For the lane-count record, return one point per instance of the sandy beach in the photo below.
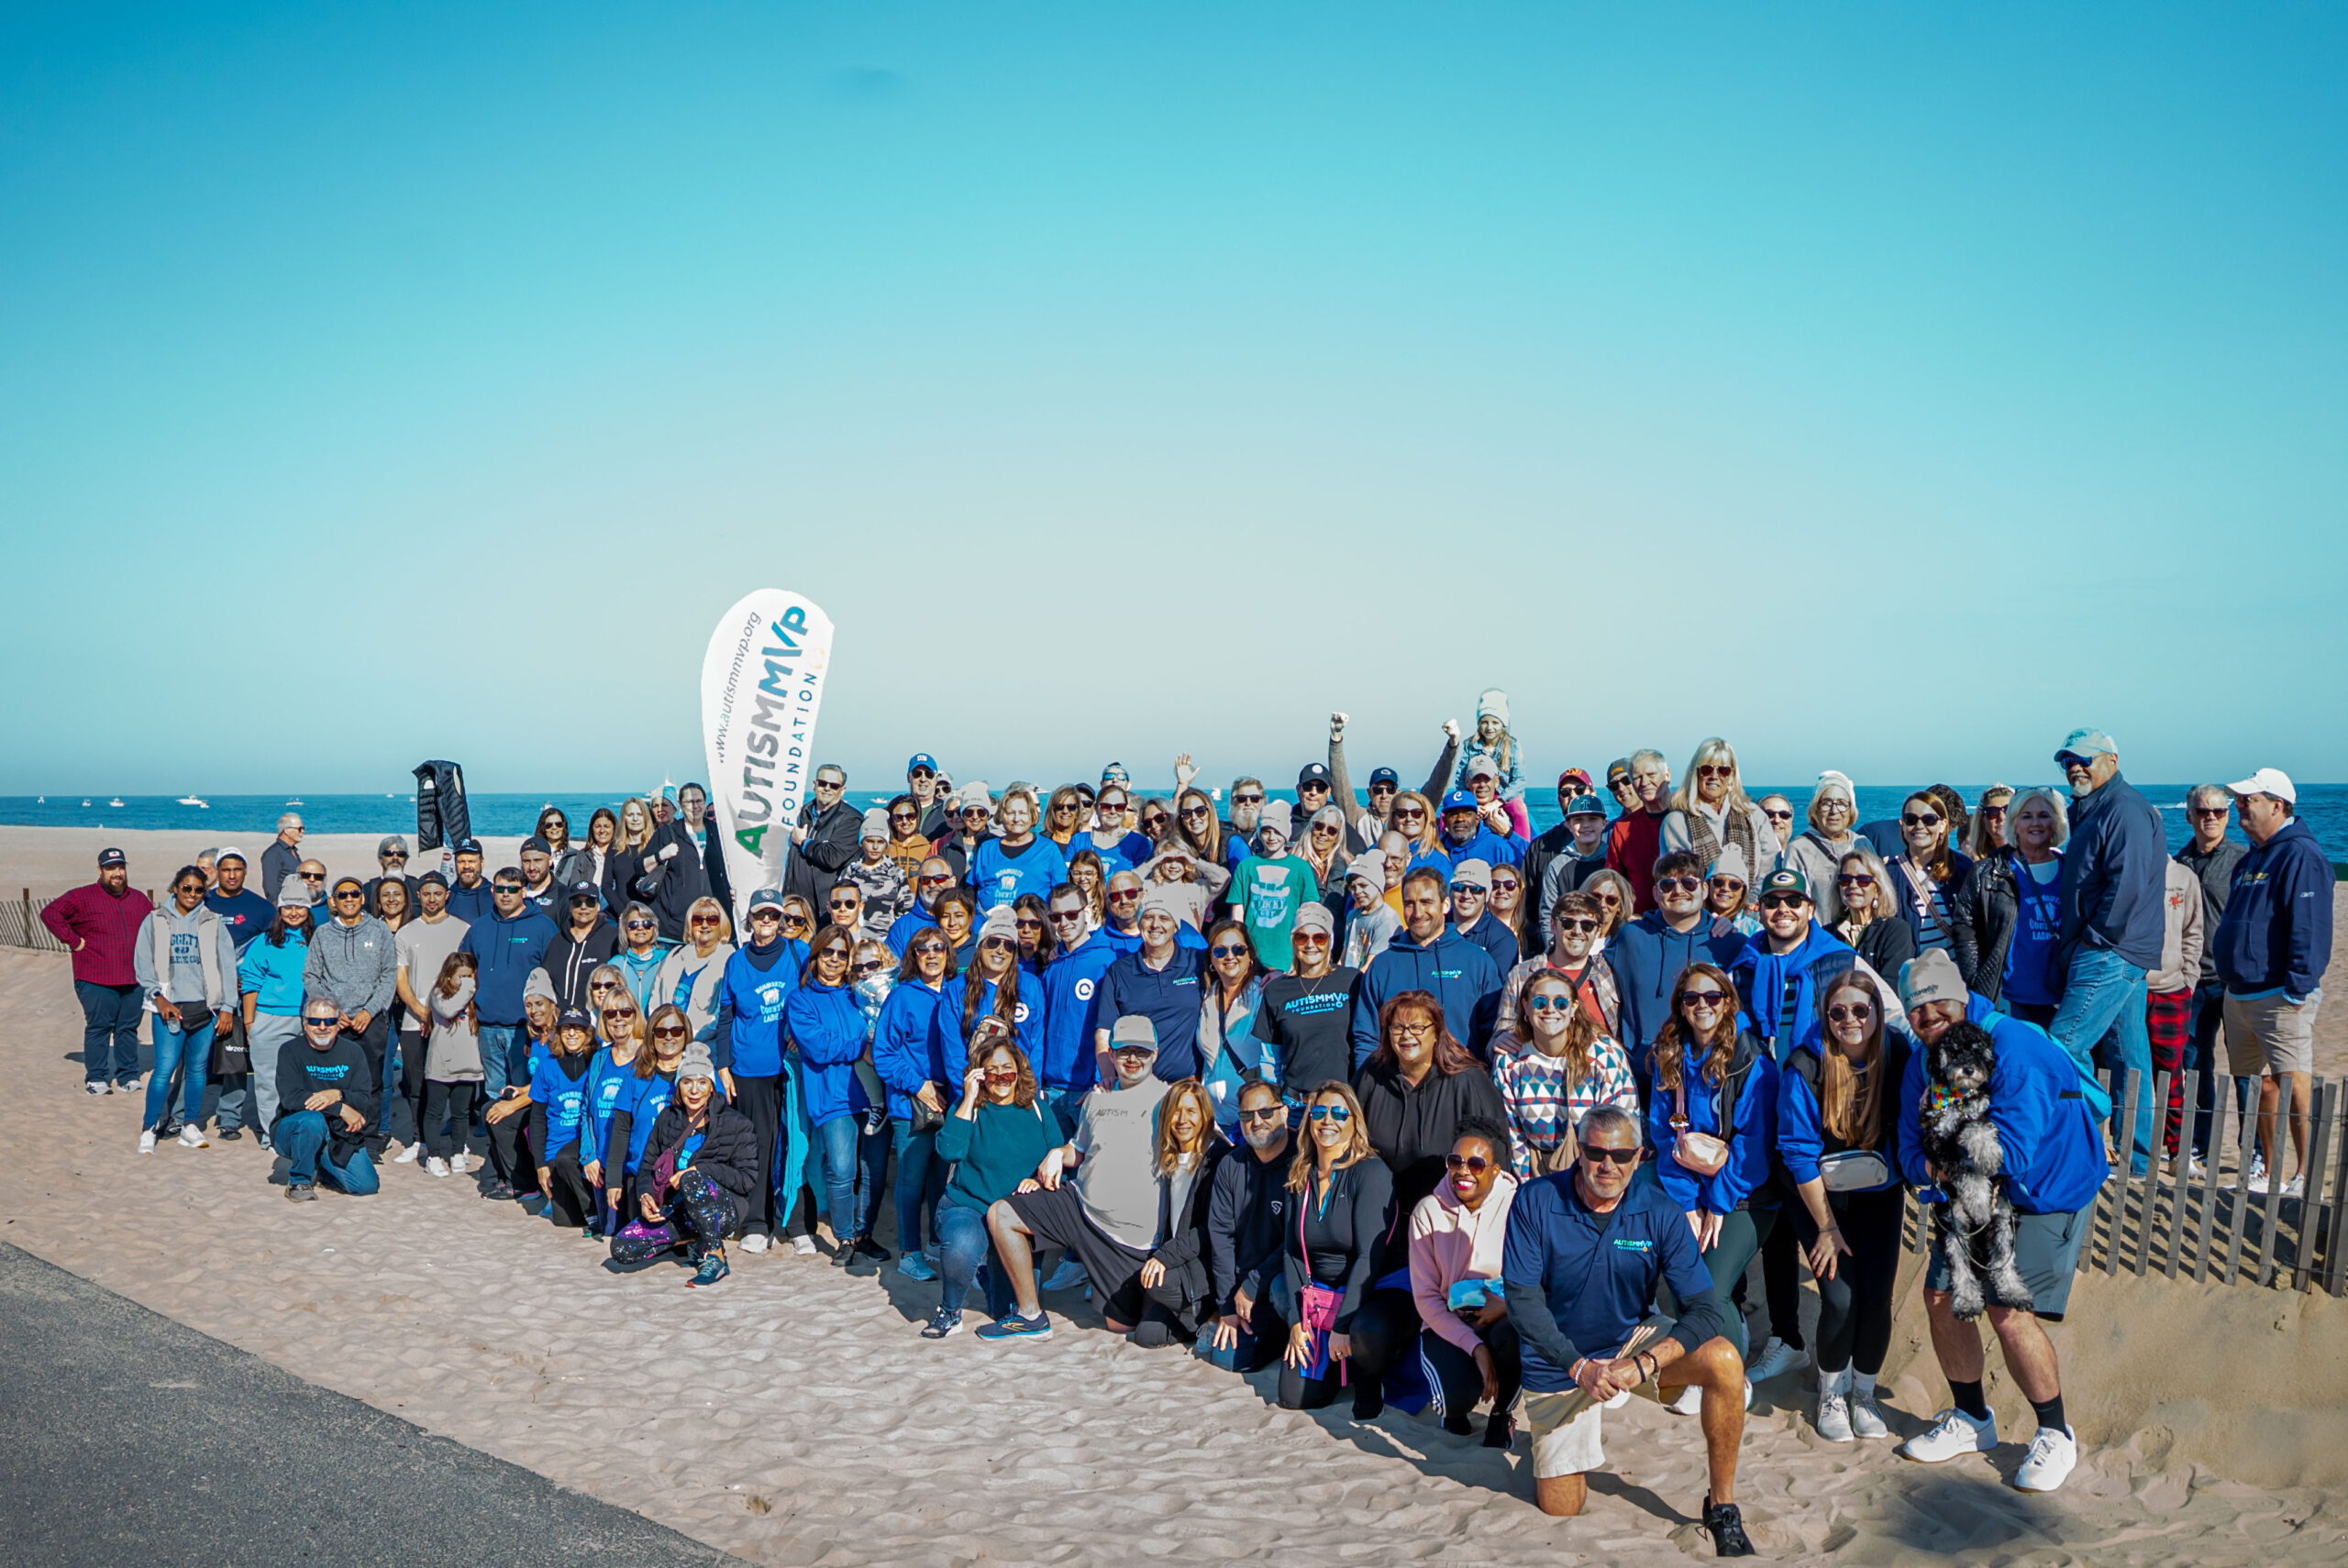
(794, 1416)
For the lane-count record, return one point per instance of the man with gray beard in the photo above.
(1247, 1216)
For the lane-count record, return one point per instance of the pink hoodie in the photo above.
(1450, 1242)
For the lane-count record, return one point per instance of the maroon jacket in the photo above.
(105, 926)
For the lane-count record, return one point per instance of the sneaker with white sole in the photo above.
(803, 1246)
(147, 1142)
(96, 1089)
(755, 1241)
(946, 1321)
(2297, 1188)
(408, 1155)
(2254, 1178)
(436, 1166)
(192, 1139)
(461, 1163)
(1067, 1277)
(912, 1265)
(2053, 1454)
(1866, 1421)
(1690, 1401)
(1776, 1360)
(1834, 1417)
(1953, 1435)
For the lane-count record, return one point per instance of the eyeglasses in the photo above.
(923, 773)
(189, 888)
(1505, 884)
(1920, 819)
(1610, 1156)
(1992, 812)
(1549, 1004)
(1153, 818)
(1227, 950)
(902, 817)
(1612, 901)
(843, 906)
(1114, 806)
(1678, 884)
(930, 950)
(1414, 1031)
(1298, 939)
(611, 1012)
(1329, 1113)
(1265, 1113)
(831, 783)
(1709, 999)
(1855, 879)
(1856, 1012)
(1408, 812)
(1575, 922)
(399, 855)
(1067, 806)
(595, 986)
(669, 1031)
(1003, 1075)
(1783, 901)
(1382, 789)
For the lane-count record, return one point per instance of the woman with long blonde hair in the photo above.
(1344, 1242)
(1710, 810)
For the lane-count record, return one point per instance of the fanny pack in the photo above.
(1699, 1152)
(1854, 1170)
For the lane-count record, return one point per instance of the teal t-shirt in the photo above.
(1270, 893)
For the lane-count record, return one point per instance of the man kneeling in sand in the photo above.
(1586, 1250)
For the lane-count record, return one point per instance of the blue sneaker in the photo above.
(1012, 1326)
(713, 1269)
(912, 1265)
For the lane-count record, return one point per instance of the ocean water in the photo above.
(252, 819)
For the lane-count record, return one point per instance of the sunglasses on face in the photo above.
(1707, 999)
(1066, 917)
(1713, 770)
(790, 921)
(1920, 819)
(1475, 1164)
(1855, 879)
(1726, 885)
(1404, 813)
(601, 986)
(322, 1022)
(1329, 1113)
(996, 944)
(930, 950)
(669, 1031)
(1153, 818)
(703, 920)
(2070, 759)
(2208, 813)
(1265, 1113)
(340, 896)
(1610, 1156)
(902, 817)
(1857, 1013)
(1466, 890)
(1124, 895)
(1317, 938)
(1783, 901)
(610, 1012)
(639, 925)
(1505, 885)
(936, 881)
(831, 783)
(1190, 811)
(1778, 816)
(506, 887)
(1612, 901)
(1028, 924)
(1248, 799)
(1003, 1075)
(1678, 884)
(1227, 950)
(1549, 1004)
(870, 966)
(1575, 922)
(314, 876)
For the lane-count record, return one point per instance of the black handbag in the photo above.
(229, 1057)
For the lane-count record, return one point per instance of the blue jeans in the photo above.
(916, 1171)
(848, 1155)
(109, 1030)
(302, 1139)
(500, 1063)
(964, 1248)
(176, 1047)
(2101, 1021)
(1064, 1104)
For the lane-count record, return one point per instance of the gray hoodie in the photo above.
(195, 950)
(354, 966)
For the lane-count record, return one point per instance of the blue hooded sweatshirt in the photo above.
(1460, 975)
(2115, 878)
(274, 974)
(1647, 956)
(2275, 934)
(750, 1000)
(1027, 1017)
(1753, 1136)
(1802, 1138)
(2049, 1138)
(827, 1028)
(1486, 847)
(910, 924)
(1762, 978)
(508, 950)
(909, 1051)
(1070, 982)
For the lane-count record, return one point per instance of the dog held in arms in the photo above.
(1973, 1226)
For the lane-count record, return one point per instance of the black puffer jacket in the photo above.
(729, 1156)
(1981, 921)
(1413, 1128)
(1183, 1252)
(1885, 945)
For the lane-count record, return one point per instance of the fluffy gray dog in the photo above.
(1973, 1226)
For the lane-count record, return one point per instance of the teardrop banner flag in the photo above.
(760, 685)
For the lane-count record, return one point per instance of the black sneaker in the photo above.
(1727, 1526)
(947, 1322)
(497, 1190)
(231, 1134)
(844, 1255)
(866, 1247)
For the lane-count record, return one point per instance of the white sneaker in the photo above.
(1953, 1435)
(1690, 1401)
(1834, 1418)
(96, 1091)
(1748, 1393)
(147, 1142)
(192, 1139)
(755, 1241)
(461, 1163)
(2255, 1176)
(804, 1246)
(2196, 1171)
(407, 1156)
(1866, 1421)
(2297, 1186)
(2053, 1454)
(1776, 1360)
(436, 1166)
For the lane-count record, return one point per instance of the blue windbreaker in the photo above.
(2049, 1138)
(1751, 1139)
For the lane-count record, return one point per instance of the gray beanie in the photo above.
(876, 824)
(1278, 816)
(1730, 863)
(1929, 977)
(697, 1063)
(1001, 921)
(538, 985)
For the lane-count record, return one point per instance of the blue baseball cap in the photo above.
(1384, 776)
(766, 898)
(2086, 743)
(921, 759)
(1584, 806)
(1461, 801)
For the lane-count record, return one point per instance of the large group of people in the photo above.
(1379, 1088)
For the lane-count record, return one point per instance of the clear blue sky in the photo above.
(1884, 387)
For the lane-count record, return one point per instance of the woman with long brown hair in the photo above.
(1174, 1280)
(1714, 1087)
(1927, 874)
(1414, 1088)
(997, 1135)
(1837, 1134)
(1570, 1066)
(1345, 1329)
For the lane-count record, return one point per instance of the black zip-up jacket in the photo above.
(1413, 1128)
(1183, 1252)
(571, 958)
(669, 886)
(1245, 1213)
(1981, 923)
(728, 1154)
(831, 843)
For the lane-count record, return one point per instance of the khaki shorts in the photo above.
(1563, 1446)
(2266, 1036)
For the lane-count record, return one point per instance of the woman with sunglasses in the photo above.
(999, 1133)
(1569, 1066)
(612, 1071)
(1869, 922)
(1458, 1234)
(1615, 899)
(692, 974)
(1926, 872)
(2007, 911)
(640, 952)
(1712, 1098)
(1157, 819)
(1341, 1240)
(1710, 811)
(642, 1097)
(1507, 904)
(825, 1030)
(907, 844)
(757, 982)
(1987, 830)
(1414, 818)
(1837, 1127)
(1111, 836)
(1198, 831)
(1728, 895)
(1231, 992)
(1414, 1091)
(917, 1051)
(555, 828)
(558, 1108)
(1323, 848)
(1830, 834)
(699, 1167)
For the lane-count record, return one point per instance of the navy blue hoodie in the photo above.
(1461, 975)
(508, 951)
(2277, 931)
(2049, 1137)
(2115, 878)
(1647, 956)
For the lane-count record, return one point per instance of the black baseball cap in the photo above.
(433, 879)
(1313, 773)
(535, 842)
(111, 857)
(468, 847)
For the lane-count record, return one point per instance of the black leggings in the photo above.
(1854, 1307)
(1458, 1385)
(570, 1197)
(1385, 1328)
(448, 1117)
(509, 1153)
(412, 1084)
(1781, 1282)
(760, 1099)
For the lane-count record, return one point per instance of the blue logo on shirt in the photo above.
(1630, 1245)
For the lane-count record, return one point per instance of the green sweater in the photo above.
(999, 1147)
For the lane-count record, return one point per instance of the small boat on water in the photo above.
(115, 801)
(196, 801)
(86, 803)
(295, 801)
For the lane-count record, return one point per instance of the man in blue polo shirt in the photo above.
(1161, 983)
(2050, 1149)
(1586, 1248)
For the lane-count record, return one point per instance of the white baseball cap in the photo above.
(2268, 781)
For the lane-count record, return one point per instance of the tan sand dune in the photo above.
(793, 1415)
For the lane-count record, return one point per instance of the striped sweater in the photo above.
(1542, 1106)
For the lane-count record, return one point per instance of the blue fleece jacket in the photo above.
(910, 924)
(1761, 978)
(750, 999)
(1753, 1119)
(908, 1050)
(1491, 848)
(508, 951)
(1070, 984)
(274, 974)
(1647, 956)
(1802, 1138)
(2115, 878)
(2048, 1138)
(2277, 931)
(827, 1028)
(1459, 974)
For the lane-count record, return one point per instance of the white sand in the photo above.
(794, 1416)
